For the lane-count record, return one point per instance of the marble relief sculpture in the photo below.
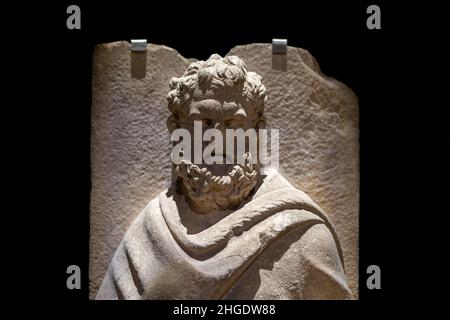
(226, 231)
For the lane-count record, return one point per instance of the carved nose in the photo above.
(218, 126)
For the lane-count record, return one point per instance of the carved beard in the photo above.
(217, 187)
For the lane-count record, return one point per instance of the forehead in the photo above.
(210, 103)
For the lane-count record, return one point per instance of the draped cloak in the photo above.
(277, 245)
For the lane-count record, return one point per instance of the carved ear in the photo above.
(172, 123)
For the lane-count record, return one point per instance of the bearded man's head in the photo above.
(222, 94)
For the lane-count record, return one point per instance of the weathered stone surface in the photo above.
(319, 138)
(130, 143)
(317, 118)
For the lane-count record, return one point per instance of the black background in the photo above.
(373, 63)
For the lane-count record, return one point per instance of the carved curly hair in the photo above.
(217, 73)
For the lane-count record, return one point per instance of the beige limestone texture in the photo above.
(278, 244)
(317, 117)
(130, 143)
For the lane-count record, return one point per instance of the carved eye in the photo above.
(233, 123)
(206, 122)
